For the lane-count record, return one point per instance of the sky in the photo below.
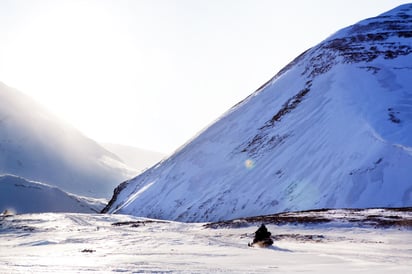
(153, 73)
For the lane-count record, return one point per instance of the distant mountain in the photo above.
(136, 158)
(332, 129)
(22, 196)
(36, 145)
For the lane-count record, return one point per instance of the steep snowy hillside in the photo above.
(36, 145)
(22, 196)
(137, 158)
(331, 129)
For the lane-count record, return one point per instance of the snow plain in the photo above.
(101, 243)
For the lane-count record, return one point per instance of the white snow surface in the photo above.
(90, 243)
(36, 145)
(332, 129)
(18, 195)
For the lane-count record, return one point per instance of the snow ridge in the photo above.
(18, 195)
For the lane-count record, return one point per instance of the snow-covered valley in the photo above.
(321, 154)
(93, 243)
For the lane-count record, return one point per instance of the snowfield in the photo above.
(93, 243)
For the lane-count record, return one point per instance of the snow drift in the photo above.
(19, 195)
(36, 145)
(332, 129)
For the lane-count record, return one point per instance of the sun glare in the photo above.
(75, 61)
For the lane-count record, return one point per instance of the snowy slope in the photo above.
(331, 129)
(91, 243)
(36, 145)
(22, 196)
(137, 158)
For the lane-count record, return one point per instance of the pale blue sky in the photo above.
(153, 73)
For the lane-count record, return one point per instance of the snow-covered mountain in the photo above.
(19, 195)
(332, 129)
(36, 145)
(137, 158)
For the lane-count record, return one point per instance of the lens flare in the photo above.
(249, 164)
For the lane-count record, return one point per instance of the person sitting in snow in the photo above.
(262, 237)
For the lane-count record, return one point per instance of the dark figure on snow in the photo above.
(262, 237)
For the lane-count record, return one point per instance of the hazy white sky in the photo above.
(153, 73)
